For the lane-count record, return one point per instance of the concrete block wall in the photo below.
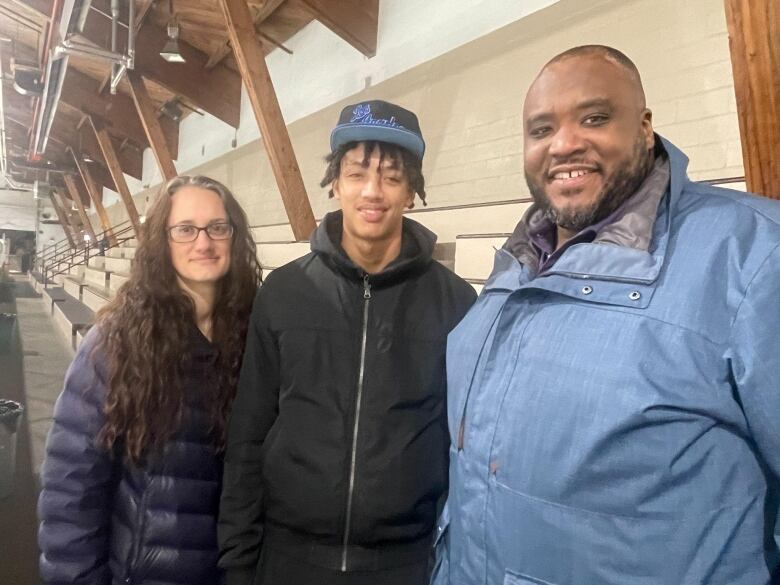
(470, 100)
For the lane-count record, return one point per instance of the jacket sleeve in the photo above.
(74, 506)
(254, 411)
(755, 346)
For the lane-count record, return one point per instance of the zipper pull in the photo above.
(366, 287)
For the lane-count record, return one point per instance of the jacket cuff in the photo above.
(239, 576)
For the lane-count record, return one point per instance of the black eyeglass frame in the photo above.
(200, 229)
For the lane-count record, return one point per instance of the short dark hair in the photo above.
(605, 51)
(411, 165)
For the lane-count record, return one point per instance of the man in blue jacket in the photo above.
(614, 395)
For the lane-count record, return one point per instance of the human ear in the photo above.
(647, 128)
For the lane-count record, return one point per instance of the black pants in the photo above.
(278, 568)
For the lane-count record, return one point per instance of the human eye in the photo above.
(221, 229)
(539, 131)
(182, 230)
(595, 119)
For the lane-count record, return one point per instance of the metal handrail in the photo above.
(51, 255)
(81, 256)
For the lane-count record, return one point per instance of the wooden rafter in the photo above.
(216, 91)
(355, 21)
(261, 12)
(251, 63)
(96, 194)
(64, 219)
(754, 30)
(75, 195)
(109, 154)
(151, 124)
(82, 93)
(142, 11)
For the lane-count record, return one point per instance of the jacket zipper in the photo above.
(361, 372)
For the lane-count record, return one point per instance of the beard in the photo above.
(624, 182)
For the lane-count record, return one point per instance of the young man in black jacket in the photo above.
(337, 445)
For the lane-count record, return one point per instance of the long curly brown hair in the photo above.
(145, 331)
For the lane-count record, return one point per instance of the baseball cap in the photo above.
(381, 121)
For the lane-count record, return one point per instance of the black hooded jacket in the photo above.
(338, 441)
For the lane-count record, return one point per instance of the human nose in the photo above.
(566, 142)
(371, 186)
(203, 240)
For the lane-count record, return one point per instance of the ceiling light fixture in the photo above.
(171, 51)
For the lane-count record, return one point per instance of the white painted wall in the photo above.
(48, 234)
(324, 69)
(17, 210)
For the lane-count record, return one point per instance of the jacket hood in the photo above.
(417, 246)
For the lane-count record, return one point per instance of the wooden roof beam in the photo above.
(355, 21)
(262, 11)
(83, 139)
(254, 72)
(151, 124)
(64, 219)
(104, 140)
(216, 91)
(81, 92)
(96, 194)
(76, 195)
(754, 27)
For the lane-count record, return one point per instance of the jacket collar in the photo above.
(417, 245)
(615, 255)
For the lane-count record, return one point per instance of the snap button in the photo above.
(635, 295)
(586, 290)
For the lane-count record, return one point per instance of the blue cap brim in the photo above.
(411, 141)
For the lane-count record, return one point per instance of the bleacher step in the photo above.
(474, 254)
(70, 316)
(95, 297)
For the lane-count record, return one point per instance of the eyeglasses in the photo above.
(184, 232)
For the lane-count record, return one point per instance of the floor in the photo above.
(33, 360)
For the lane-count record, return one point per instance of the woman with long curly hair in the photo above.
(132, 475)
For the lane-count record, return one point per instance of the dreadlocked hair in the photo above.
(146, 328)
(409, 164)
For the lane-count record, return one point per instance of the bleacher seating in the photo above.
(467, 239)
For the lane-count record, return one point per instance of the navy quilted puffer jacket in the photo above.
(105, 522)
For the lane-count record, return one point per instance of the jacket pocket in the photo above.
(511, 578)
(441, 566)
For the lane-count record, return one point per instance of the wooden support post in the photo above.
(96, 195)
(112, 162)
(754, 30)
(251, 63)
(66, 227)
(75, 194)
(151, 124)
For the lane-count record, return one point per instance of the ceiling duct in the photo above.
(56, 68)
(5, 169)
(74, 15)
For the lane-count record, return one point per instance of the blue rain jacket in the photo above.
(616, 420)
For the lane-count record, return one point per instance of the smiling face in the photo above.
(373, 194)
(588, 139)
(203, 261)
